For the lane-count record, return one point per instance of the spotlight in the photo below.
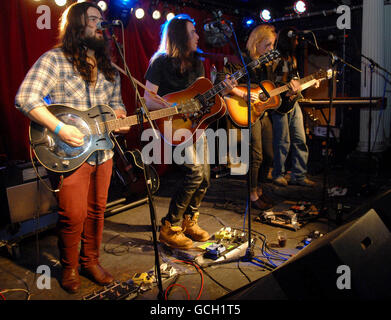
(265, 15)
(139, 13)
(103, 5)
(61, 3)
(170, 15)
(249, 22)
(300, 7)
(156, 14)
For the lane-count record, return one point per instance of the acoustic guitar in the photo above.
(237, 107)
(96, 125)
(180, 129)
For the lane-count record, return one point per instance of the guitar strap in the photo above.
(141, 85)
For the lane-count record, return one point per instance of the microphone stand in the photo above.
(249, 252)
(332, 62)
(143, 112)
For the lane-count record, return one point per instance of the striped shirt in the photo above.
(53, 78)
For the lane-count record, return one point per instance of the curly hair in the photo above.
(70, 38)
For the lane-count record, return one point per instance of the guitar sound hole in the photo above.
(262, 97)
(65, 151)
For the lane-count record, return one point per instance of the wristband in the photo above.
(58, 128)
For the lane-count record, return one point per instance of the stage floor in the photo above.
(127, 246)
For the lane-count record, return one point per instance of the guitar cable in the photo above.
(38, 209)
(40, 178)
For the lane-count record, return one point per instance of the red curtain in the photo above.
(22, 43)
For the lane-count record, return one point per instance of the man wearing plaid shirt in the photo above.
(77, 73)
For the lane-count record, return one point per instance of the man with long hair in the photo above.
(174, 67)
(77, 73)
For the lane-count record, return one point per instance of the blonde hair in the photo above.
(260, 33)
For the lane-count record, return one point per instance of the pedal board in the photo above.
(218, 254)
(118, 290)
(224, 244)
(290, 215)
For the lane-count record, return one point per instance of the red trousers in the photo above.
(82, 203)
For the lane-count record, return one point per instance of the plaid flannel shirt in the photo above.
(53, 78)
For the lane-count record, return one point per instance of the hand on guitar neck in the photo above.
(121, 115)
(230, 84)
(294, 87)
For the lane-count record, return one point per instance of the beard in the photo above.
(93, 43)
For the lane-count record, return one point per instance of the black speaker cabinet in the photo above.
(363, 247)
(381, 204)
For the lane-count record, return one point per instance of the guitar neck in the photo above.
(236, 76)
(304, 82)
(112, 125)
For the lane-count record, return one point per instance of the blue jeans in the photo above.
(289, 134)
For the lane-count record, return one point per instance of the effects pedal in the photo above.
(143, 278)
(214, 251)
(224, 234)
(167, 271)
(115, 291)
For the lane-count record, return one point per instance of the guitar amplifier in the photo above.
(23, 196)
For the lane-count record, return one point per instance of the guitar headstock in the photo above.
(270, 56)
(323, 74)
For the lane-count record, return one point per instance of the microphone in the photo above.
(101, 25)
(292, 34)
(214, 26)
(217, 33)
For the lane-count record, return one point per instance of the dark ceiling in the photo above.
(278, 8)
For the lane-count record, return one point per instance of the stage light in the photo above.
(265, 15)
(249, 22)
(103, 5)
(170, 15)
(61, 3)
(139, 13)
(156, 14)
(300, 7)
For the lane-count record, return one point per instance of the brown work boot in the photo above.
(193, 230)
(97, 274)
(174, 237)
(70, 280)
